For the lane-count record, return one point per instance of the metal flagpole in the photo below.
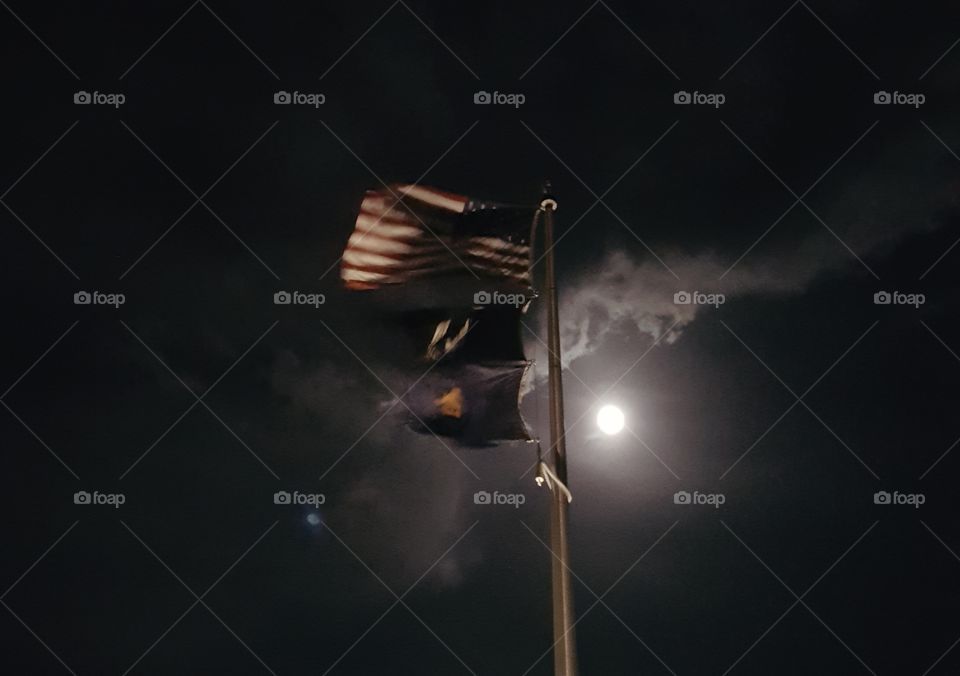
(564, 647)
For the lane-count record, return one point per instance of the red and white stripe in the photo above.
(391, 245)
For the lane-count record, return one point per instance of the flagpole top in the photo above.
(548, 202)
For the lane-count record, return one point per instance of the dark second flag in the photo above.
(473, 403)
(472, 391)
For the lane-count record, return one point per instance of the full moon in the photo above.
(610, 419)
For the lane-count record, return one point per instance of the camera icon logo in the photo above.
(82, 298)
(682, 498)
(281, 498)
(281, 97)
(881, 97)
(681, 97)
(282, 298)
(81, 98)
(881, 498)
(481, 298)
(482, 498)
(481, 97)
(682, 298)
(81, 498)
(882, 298)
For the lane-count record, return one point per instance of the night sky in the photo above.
(800, 403)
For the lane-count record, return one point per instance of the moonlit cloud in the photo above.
(871, 214)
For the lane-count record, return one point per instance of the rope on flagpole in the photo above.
(545, 475)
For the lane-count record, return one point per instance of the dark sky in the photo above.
(198, 198)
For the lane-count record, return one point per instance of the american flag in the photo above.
(409, 232)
